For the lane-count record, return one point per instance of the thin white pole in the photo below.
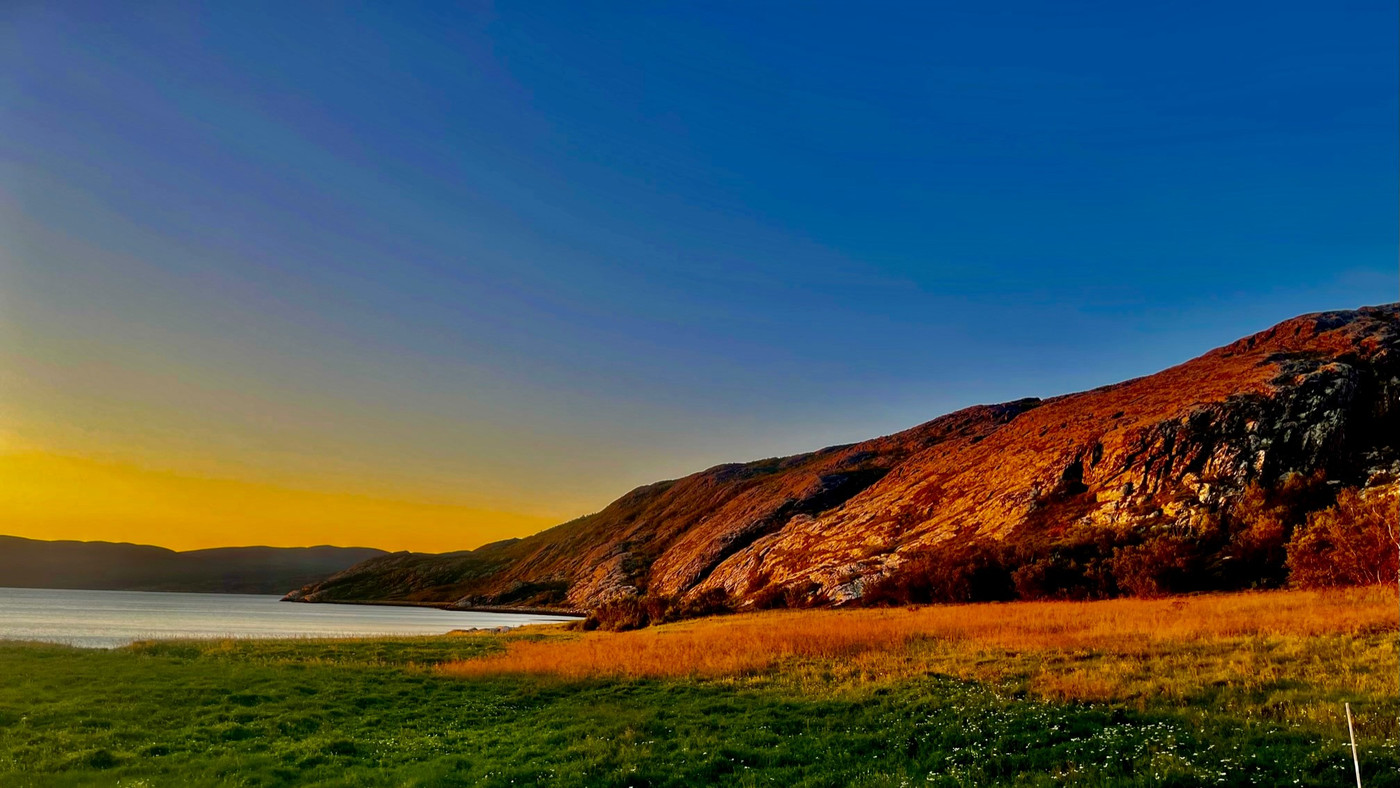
(1355, 761)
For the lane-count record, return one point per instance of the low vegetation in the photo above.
(1302, 533)
(1241, 689)
(1351, 543)
(756, 642)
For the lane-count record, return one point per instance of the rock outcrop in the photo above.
(1318, 393)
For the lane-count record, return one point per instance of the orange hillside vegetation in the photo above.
(745, 644)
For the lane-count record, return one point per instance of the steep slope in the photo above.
(32, 563)
(662, 538)
(1319, 393)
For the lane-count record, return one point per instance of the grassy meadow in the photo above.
(1243, 689)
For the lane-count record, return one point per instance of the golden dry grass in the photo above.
(892, 640)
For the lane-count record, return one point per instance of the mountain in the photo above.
(1187, 454)
(31, 563)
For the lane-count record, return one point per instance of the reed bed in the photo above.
(888, 640)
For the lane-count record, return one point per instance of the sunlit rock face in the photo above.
(1319, 392)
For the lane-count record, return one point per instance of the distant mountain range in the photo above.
(32, 563)
(1160, 463)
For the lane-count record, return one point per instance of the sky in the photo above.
(423, 276)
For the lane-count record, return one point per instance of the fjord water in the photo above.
(107, 619)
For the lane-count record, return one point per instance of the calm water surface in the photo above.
(107, 619)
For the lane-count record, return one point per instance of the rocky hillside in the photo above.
(1316, 396)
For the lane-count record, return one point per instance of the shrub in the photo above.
(1354, 542)
(1063, 575)
(618, 615)
(1159, 565)
(637, 612)
(1074, 565)
(974, 571)
(713, 602)
(795, 597)
(1262, 521)
(772, 597)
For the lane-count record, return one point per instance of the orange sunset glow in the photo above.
(48, 496)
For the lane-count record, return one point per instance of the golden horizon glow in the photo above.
(52, 496)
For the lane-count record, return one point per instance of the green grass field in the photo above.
(378, 712)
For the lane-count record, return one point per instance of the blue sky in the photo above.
(532, 255)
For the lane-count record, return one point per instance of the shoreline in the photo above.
(451, 607)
